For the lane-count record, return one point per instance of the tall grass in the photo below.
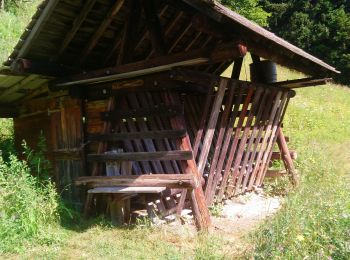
(13, 22)
(28, 205)
(315, 220)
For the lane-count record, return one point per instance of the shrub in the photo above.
(28, 207)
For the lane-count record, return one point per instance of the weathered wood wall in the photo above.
(59, 120)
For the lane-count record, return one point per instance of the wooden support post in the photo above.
(286, 157)
(199, 206)
(117, 210)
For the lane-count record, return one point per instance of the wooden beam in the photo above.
(159, 110)
(38, 26)
(24, 66)
(211, 127)
(78, 21)
(171, 134)
(154, 27)
(128, 41)
(237, 67)
(300, 83)
(101, 29)
(286, 157)
(221, 52)
(141, 156)
(8, 112)
(176, 181)
(8, 91)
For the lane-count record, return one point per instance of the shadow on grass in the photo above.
(72, 219)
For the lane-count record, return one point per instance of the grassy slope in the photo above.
(315, 220)
(11, 27)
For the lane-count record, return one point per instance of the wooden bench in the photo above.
(122, 188)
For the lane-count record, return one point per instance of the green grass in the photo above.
(12, 26)
(314, 222)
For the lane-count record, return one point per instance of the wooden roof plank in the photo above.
(76, 25)
(101, 29)
(38, 26)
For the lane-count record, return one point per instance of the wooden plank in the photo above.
(234, 144)
(272, 140)
(154, 27)
(301, 83)
(164, 123)
(141, 156)
(171, 134)
(242, 144)
(240, 160)
(134, 146)
(180, 181)
(127, 190)
(154, 65)
(148, 143)
(267, 134)
(211, 125)
(128, 40)
(258, 141)
(38, 26)
(8, 112)
(97, 168)
(138, 146)
(163, 144)
(157, 110)
(101, 29)
(268, 138)
(199, 207)
(204, 116)
(278, 155)
(14, 88)
(225, 148)
(255, 139)
(78, 21)
(286, 157)
(220, 139)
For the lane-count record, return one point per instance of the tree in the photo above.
(320, 27)
(250, 9)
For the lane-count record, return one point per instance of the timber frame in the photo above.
(136, 114)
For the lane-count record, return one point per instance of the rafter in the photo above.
(76, 25)
(101, 29)
(128, 41)
(220, 53)
(154, 27)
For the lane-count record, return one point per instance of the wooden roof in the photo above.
(94, 34)
(88, 34)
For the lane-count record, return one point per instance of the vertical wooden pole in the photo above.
(199, 206)
(286, 158)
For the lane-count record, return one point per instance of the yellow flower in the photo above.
(300, 238)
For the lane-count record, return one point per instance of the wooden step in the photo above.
(159, 110)
(170, 134)
(131, 190)
(141, 156)
(177, 181)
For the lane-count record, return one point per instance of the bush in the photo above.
(28, 207)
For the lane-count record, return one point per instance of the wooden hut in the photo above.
(129, 96)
